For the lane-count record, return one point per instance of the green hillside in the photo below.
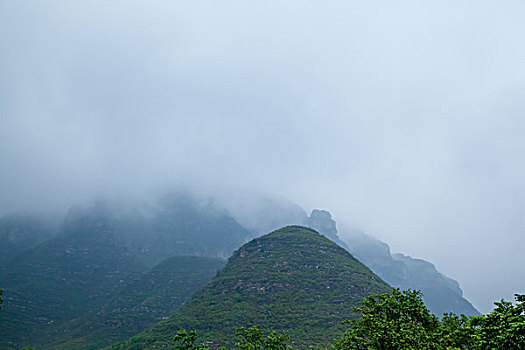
(140, 302)
(292, 279)
(56, 282)
(61, 279)
(86, 288)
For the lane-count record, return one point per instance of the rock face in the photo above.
(292, 279)
(440, 293)
(322, 222)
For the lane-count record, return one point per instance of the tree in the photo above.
(253, 338)
(1, 300)
(395, 320)
(456, 332)
(188, 341)
(503, 328)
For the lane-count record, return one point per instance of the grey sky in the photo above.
(404, 118)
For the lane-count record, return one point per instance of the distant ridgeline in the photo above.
(112, 269)
(440, 293)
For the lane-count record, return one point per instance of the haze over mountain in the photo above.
(85, 287)
(90, 282)
(404, 119)
(20, 232)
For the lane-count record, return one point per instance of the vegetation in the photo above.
(83, 288)
(293, 279)
(396, 320)
(399, 320)
(107, 299)
(56, 282)
(253, 338)
(293, 282)
(503, 328)
(141, 301)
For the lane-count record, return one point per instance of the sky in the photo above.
(405, 119)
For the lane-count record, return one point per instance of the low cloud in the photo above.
(405, 119)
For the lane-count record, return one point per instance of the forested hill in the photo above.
(85, 287)
(139, 302)
(292, 279)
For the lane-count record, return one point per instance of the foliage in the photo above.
(456, 332)
(253, 338)
(54, 283)
(140, 302)
(503, 328)
(1, 300)
(293, 279)
(72, 294)
(400, 320)
(188, 341)
(396, 320)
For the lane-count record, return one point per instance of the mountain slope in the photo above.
(175, 224)
(292, 279)
(141, 301)
(20, 232)
(440, 293)
(181, 225)
(60, 279)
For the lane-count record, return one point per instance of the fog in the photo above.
(403, 118)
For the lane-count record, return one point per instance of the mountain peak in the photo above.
(292, 279)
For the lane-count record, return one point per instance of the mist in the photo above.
(404, 119)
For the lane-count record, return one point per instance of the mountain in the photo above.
(175, 224)
(292, 279)
(63, 285)
(140, 301)
(91, 284)
(179, 224)
(440, 293)
(61, 279)
(322, 222)
(20, 232)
